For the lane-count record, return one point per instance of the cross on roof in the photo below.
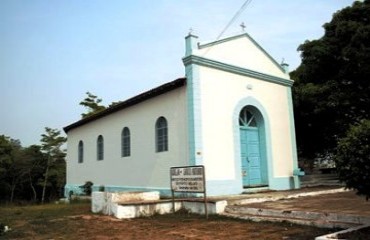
(242, 25)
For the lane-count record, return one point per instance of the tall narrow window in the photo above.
(80, 152)
(125, 142)
(100, 147)
(161, 135)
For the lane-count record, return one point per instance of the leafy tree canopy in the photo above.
(332, 83)
(93, 105)
(352, 158)
(21, 169)
(52, 142)
(331, 95)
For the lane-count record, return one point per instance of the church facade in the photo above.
(232, 113)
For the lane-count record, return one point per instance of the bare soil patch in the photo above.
(75, 221)
(342, 202)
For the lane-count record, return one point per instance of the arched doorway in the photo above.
(252, 148)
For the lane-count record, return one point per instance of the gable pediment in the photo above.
(241, 51)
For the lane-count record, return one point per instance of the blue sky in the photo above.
(52, 52)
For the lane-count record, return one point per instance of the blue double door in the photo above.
(253, 168)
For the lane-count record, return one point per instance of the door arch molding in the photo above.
(264, 132)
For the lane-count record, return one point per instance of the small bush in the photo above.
(353, 158)
(87, 188)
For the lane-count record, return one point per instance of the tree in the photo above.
(353, 158)
(332, 83)
(17, 169)
(114, 104)
(35, 162)
(5, 161)
(23, 169)
(51, 145)
(92, 103)
(12, 167)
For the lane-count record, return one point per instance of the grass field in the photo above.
(75, 221)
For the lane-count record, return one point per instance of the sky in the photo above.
(53, 52)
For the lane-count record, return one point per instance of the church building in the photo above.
(231, 113)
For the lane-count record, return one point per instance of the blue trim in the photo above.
(75, 188)
(190, 44)
(164, 192)
(201, 61)
(251, 39)
(265, 137)
(282, 183)
(297, 183)
(194, 114)
(285, 66)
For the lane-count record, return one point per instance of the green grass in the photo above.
(39, 220)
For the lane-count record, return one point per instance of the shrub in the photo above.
(353, 158)
(87, 188)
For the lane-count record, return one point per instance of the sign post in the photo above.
(188, 179)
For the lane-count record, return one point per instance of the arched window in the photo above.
(125, 142)
(247, 118)
(80, 152)
(161, 135)
(100, 147)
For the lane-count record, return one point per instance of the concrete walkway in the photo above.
(319, 206)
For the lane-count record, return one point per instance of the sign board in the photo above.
(188, 179)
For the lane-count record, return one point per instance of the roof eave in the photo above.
(129, 102)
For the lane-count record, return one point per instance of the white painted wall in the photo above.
(220, 94)
(145, 167)
(241, 52)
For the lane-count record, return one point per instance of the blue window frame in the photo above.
(81, 152)
(161, 135)
(100, 147)
(125, 142)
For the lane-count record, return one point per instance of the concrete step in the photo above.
(275, 196)
(320, 176)
(320, 180)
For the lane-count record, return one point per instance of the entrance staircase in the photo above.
(242, 208)
(320, 179)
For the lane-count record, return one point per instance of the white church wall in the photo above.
(229, 52)
(221, 92)
(233, 73)
(145, 167)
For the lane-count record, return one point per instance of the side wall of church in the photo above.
(144, 168)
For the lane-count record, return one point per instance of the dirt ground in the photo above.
(74, 221)
(343, 203)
